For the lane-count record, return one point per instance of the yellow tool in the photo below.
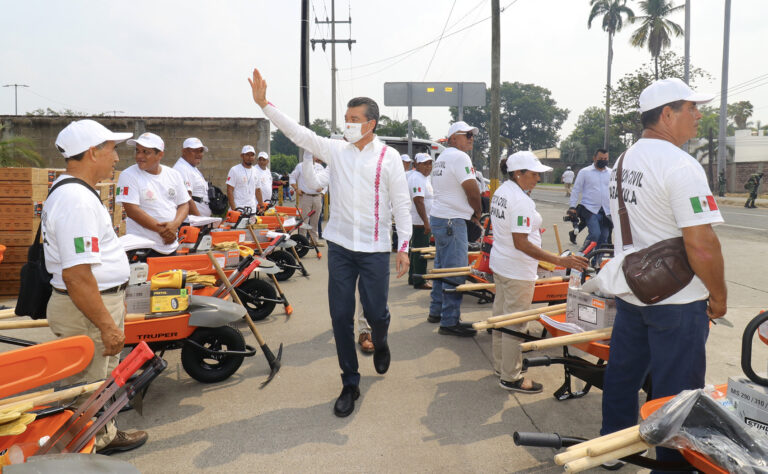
(170, 279)
(245, 251)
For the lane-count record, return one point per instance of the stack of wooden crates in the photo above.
(22, 193)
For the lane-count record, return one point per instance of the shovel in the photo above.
(274, 362)
(257, 249)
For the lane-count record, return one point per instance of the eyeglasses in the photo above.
(469, 135)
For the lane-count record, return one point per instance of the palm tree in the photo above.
(612, 11)
(18, 151)
(655, 28)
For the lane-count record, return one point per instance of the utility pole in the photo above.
(333, 42)
(687, 59)
(304, 67)
(721, 146)
(495, 94)
(16, 96)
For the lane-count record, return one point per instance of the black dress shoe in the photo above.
(345, 404)
(572, 236)
(433, 319)
(457, 330)
(381, 358)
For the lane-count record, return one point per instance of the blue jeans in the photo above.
(451, 251)
(667, 341)
(598, 227)
(370, 271)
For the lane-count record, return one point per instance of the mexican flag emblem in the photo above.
(122, 191)
(703, 204)
(86, 244)
(526, 221)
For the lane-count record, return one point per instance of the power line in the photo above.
(433, 41)
(438, 40)
(16, 96)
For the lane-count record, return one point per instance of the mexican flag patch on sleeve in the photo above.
(703, 204)
(122, 191)
(523, 221)
(86, 244)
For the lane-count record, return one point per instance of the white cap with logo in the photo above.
(194, 143)
(406, 158)
(80, 135)
(247, 149)
(526, 160)
(263, 154)
(148, 140)
(423, 157)
(665, 91)
(461, 127)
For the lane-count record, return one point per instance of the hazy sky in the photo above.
(192, 57)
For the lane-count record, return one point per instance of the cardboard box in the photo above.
(117, 214)
(106, 190)
(19, 224)
(9, 287)
(137, 298)
(10, 271)
(167, 300)
(13, 190)
(750, 401)
(15, 210)
(589, 311)
(15, 255)
(44, 176)
(18, 238)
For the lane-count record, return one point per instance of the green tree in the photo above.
(624, 100)
(283, 164)
(612, 12)
(282, 145)
(530, 118)
(18, 151)
(388, 127)
(740, 113)
(655, 29)
(589, 133)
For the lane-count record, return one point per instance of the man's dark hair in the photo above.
(651, 117)
(600, 150)
(371, 109)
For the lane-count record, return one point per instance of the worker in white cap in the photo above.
(154, 196)
(87, 263)
(407, 162)
(189, 167)
(666, 196)
(457, 200)
(420, 189)
(241, 181)
(567, 178)
(263, 180)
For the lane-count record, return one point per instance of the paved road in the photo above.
(737, 218)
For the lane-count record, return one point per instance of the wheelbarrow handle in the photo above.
(746, 349)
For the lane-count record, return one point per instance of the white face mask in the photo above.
(353, 132)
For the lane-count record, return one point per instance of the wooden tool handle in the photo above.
(51, 397)
(540, 310)
(588, 336)
(435, 276)
(590, 462)
(548, 280)
(613, 444)
(27, 396)
(450, 270)
(512, 321)
(476, 286)
(581, 450)
(424, 249)
(32, 323)
(7, 313)
(557, 238)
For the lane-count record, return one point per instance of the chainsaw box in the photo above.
(137, 298)
(589, 311)
(750, 401)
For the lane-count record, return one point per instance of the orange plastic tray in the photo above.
(595, 348)
(697, 460)
(550, 292)
(43, 427)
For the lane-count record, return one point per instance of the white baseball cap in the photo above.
(525, 160)
(406, 158)
(263, 154)
(461, 127)
(247, 149)
(664, 91)
(148, 140)
(423, 157)
(194, 143)
(80, 135)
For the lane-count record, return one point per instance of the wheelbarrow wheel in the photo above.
(252, 293)
(212, 368)
(285, 261)
(302, 244)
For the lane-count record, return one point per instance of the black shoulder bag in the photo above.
(35, 286)
(657, 272)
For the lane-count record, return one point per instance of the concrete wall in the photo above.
(224, 138)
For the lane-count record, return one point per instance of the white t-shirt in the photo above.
(568, 176)
(452, 168)
(195, 183)
(159, 195)
(263, 182)
(77, 229)
(419, 185)
(243, 180)
(513, 212)
(665, 189)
